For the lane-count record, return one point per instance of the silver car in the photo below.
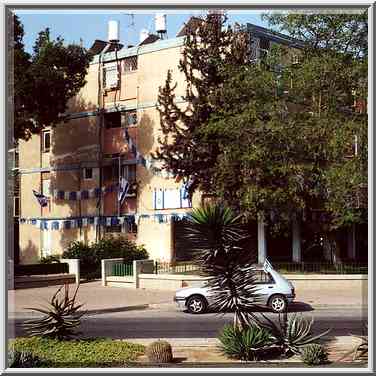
(276, 292)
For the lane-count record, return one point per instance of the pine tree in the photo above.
(207, 50)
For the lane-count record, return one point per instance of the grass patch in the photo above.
(95, 352)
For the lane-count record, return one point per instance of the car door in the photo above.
(266, 285)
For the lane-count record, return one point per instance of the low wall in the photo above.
(169, 281)
(43, 280)
(144, 278)
(30, 281)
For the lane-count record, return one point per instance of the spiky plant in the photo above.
(314, 354)
(220, 245)
(60, 318)
(246, 344)
(292, 333)
(361, 350)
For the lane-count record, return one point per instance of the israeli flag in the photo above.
(42, 199)
(267, 266)
(123, 190)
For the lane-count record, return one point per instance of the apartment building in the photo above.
(92, 175)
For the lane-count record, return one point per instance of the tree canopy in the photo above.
(275, 137)
(44, 80)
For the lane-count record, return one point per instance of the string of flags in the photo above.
(81, 222)
(84, 194)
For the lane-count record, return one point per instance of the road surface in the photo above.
(171, 323)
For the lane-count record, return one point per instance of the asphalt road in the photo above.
(170, 323)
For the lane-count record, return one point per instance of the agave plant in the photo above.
(60, 318)
(361, 350)
(220, 247)
(246, 344)
(292, 333)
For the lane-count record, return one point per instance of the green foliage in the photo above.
(222, 251)
(60, 318)
(95, 352)
(345, 33)
(292, 333)
(207, 49)
(45, 80)
(50, 259)
(22, 359)
(314, 354)
(247, 344)
(91, 255)
(275, 139)
(159, 352)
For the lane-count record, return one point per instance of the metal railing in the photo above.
(121, 270)
(321, 268)
(282, 267)
(176, 268)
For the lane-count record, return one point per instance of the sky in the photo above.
(87, 25)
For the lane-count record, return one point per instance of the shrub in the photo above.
(314, 354)
(247, 344)
(159, 352)
(60, 318)
(91, 255)
(93, 352)
(50, 259)
(22, 359)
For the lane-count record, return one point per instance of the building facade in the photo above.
(104, 142)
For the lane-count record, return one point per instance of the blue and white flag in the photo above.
(186, 187)
(267, 266)
(123, 190)
(42, 199)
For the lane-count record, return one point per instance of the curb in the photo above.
(90, 312)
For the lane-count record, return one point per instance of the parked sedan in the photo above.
(276, 293)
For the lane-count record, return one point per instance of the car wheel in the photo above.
(196, 304)
(278, 303)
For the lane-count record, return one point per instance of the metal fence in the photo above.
(176, 268)
(282, 267)
(121, 270)
(321, 268)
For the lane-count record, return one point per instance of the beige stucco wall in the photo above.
(76, 142)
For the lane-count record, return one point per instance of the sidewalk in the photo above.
(99, 299)
(95, 297)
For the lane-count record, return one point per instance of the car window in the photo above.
(263, 277)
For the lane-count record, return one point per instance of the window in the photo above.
(263, 278)
(110, 76)
(46, 140)
(131, 118)
(112, 120)
(130, 64)
(88, 173)
(129, 172)
(295, 59)
(46, 187)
